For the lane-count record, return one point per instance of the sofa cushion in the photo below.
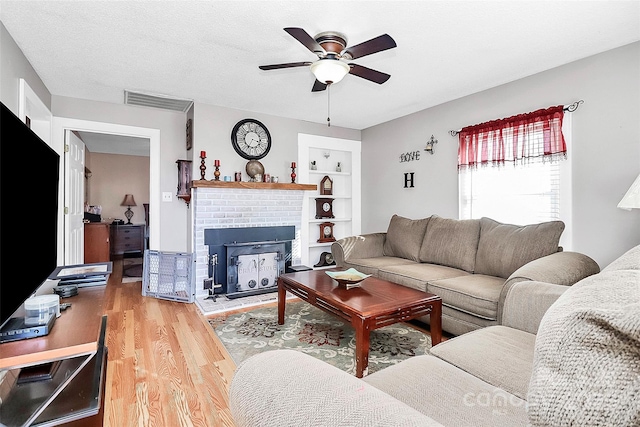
(373, 265)
(458, 322)
(475, 294)
(291, 388)
(451, 242)
(404, 237)
(449, 395)
(499, 355)
(587, 359)
(417, 275)
(503, 248)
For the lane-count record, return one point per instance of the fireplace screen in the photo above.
(254, 268)
(257, 271)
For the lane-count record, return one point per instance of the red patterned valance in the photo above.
(521, 137)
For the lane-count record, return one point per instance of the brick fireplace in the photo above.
(225, 205)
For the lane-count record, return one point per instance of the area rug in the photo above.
(132, 270)
(314, 332)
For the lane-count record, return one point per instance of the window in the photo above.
(516, 194)
(511, 170)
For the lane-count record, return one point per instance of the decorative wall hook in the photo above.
(430, 143)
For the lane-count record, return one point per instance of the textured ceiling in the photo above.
(209, 51)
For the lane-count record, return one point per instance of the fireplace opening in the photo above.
(247, 261)
(254, 268)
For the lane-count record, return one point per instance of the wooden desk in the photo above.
(74, 333)
(77, 340)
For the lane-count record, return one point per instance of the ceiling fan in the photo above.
(334, 56)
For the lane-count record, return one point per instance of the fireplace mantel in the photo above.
(252, 185)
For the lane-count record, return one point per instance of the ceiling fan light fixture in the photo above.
(329, 70)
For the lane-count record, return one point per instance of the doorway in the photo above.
(62, 126)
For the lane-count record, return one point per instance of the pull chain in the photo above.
(328, 104)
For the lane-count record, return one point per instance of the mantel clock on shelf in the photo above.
(326, 186)
(324, 208)
(326, 232)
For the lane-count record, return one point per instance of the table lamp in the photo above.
(631, 199)
(128, 201)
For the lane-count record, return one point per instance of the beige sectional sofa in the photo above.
(470, 264)
(564, 356)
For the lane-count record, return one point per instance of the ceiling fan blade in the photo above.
(374, 45)
(318, 86)
(287, 65)
(303, 37)
(369, 74)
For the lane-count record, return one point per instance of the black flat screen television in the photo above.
(29, 178)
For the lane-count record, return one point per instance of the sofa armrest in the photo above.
(283, 388)
(363, 246)
(527, 302)
(560, 268)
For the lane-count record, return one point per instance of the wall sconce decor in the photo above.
(128, 202)
(184, 179)
(430, 143)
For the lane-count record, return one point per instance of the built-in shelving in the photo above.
(326, 152)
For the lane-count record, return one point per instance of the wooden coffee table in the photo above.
(375, 304)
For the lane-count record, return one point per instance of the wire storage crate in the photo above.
(168, 275)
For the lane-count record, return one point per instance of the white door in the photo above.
(73, 199)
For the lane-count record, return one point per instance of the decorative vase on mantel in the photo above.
(254, 168)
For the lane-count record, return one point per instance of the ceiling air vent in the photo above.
(157, 101)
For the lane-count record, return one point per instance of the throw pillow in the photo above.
(404, 237)
(587, 358)
(503, 248)
(451, 242)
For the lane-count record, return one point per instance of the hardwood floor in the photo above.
(165, 365)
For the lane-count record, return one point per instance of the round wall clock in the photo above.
(251, 139)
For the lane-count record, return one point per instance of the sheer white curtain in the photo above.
(516, 194)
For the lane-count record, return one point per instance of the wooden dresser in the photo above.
(97, 242)
(127, 239)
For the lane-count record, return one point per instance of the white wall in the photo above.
(606, 144)
(171, 126)
(13, 67)
(212, 133)
(113, 176)
(605, 152)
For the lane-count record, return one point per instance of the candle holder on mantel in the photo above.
(203, 167)
(216, 173)
(293, 172)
